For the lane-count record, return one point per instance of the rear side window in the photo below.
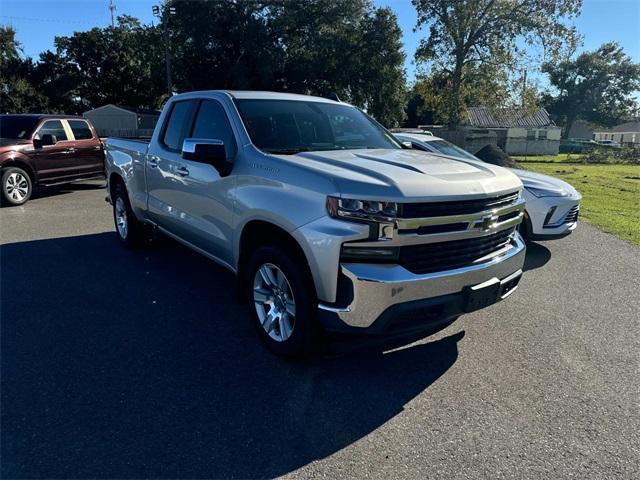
(80, 130)
(179, 124)
(212, 123)
(52, 127)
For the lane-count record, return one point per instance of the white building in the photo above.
(116, 121)
(625, 134)
(518, 132)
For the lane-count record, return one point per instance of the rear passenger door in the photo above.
(55, 163)
(88, 154)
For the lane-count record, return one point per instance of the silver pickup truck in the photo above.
(328, 222)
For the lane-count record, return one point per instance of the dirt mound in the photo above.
(495, 156)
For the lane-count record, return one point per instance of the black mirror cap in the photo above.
(207, 151)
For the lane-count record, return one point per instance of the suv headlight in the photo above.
(362, 210)
(547, 192)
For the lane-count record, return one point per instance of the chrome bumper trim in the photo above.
(377, 287)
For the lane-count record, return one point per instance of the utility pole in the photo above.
(112, 9)
(164, 13)
(524, 87)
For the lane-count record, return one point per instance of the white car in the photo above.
(552, 205)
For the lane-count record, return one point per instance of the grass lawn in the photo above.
(610, 193)
(560, 158)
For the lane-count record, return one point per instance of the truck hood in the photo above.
(395, 175)
(6, 144)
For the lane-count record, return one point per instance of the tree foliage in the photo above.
(314, 46)
(469, 36)
(17, 93)
(596, 86)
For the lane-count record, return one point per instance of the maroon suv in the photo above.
(41, 150)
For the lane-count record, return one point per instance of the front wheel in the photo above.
(16, 186)
(283, 302)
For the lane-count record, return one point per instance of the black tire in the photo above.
(305, 335)
(135, 233)
(16, 186)
(525, 228)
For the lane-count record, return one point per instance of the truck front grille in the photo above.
(461, 207)
(436, 257)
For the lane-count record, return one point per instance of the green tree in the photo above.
(17, 93)
(121, 65)
(313, 47)
(596, 86)
(465, 35)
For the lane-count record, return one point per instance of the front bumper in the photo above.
(372, 297)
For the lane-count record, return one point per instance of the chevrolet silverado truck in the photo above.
(327, 221)
(43, 150)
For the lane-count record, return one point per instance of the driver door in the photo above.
(190, 199)
(55, 163)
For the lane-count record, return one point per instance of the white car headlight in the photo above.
(547, 192)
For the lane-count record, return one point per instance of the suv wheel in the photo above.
(16, 186)
(283, 302)
(131, 232)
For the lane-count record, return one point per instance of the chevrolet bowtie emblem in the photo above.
(487, 222)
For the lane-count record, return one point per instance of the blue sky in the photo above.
(38, 21)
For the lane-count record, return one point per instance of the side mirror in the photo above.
(207, 151)
(406, 145)
(46, 139)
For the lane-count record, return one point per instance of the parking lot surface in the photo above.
(132, 364)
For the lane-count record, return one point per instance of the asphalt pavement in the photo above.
(137, 364)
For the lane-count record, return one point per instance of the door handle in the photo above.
(71, 150)
(183, 171)
(152, 162)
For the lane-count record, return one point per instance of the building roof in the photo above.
(485, 117)
(137, 111)
(627, 127)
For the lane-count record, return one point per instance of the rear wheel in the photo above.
(283, 302)
(131, 232)
(16, 186)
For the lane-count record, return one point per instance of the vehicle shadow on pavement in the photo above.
(55, 190)
(537, 256)
(121, 364)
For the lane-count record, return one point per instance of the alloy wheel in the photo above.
(17, 186)
(274, 302)
(122, 223)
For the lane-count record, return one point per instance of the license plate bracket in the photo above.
(482, 295)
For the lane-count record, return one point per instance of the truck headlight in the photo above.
(362, 210)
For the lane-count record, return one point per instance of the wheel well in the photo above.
(24, 166)
(258, 233)
(114, 179)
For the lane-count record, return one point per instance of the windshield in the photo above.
(292, 126)
(450, 149)
(16, 126)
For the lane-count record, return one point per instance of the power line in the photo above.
(48, 20)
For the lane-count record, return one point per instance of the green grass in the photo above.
(560, 158)
(610, 193)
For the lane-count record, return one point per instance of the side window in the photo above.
(178, 125)
(80, 129)
(52, 127)
(212, 123)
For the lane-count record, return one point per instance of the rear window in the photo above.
(80, 129)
